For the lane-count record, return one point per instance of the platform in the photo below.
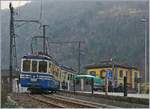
(120, 94)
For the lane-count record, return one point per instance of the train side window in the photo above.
(59, 75)
(26, 65)
(42, 66)
(49, 68)
(68, 76)
(34, 66)
(72, 77)
(52, 68)
(50, 64)
(56, 74)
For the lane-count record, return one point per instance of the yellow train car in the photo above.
(67, 76)
(63, 74)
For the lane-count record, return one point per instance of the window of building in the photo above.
(102, 74)
(42, 66)
(26, 65)
(121, 73)
(135, 75)
(126, 73)
(93, 73)
(34, 66)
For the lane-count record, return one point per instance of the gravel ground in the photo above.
(106, 101)
(26, 102)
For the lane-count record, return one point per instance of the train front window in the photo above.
(42, 66)
(26, 65)
(34, 66)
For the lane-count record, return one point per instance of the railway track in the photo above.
(67, 103)
(58, 101)
(76, 103)
(42, 99)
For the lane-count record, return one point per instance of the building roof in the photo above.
(109, 64)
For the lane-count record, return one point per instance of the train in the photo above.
(41, 73)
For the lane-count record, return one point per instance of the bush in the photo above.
(144, 88)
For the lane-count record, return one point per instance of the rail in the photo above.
(40, 98)
(77, 103)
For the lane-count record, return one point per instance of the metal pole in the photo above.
(44, 40)
(145, 20)
(11, 45)
(106, 86)
(125, 86)
(74, 85)
(113, 73)
(146, 51)
(79, 54)
(79, 58)
(92, 85)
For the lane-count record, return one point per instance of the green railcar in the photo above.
(98, 82)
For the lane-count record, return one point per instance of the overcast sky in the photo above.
(18, 3)
(5, 3)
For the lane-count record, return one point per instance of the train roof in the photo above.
(37, 56)
(67, 68)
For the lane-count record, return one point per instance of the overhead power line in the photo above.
(41, 10)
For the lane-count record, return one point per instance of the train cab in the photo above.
(35, 73)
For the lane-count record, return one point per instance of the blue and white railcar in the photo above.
(35, 73)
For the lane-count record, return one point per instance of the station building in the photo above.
(118, 71)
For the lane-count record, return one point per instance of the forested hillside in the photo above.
(108, 29)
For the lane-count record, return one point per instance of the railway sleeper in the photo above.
(70, 102)
(87, 102)
(46, 101)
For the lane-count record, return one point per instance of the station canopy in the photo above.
(89, 77)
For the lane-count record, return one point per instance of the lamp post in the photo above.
(145, 20)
